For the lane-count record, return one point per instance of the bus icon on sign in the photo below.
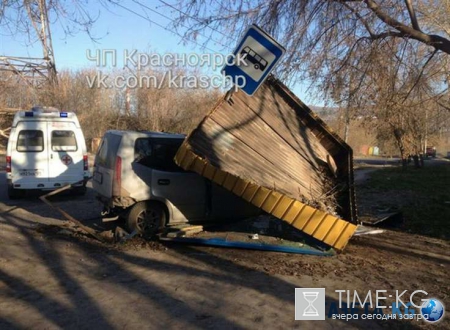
(258, 62)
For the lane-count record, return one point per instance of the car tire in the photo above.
(14, 193)
(147, 218)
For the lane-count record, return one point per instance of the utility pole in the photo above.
(34, 71)
(46, 40)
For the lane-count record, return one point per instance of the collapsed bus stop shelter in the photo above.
(273, 151)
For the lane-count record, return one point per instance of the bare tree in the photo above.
(326, 32)
(370, 57)
(18, 17)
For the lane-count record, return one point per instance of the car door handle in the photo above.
(163, 182)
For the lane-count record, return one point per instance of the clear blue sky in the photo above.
(121, 30)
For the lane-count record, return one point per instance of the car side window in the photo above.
(101, 153)
(30, 141)
(157, 154)
(163, 157)
(107, 152)
(143, 152)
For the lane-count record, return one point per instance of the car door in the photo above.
(226, 205)
(65, 153)
(29, 159)
(186, 191)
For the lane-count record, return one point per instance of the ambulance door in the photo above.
(65, 154)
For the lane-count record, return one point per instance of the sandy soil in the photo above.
(52, 278)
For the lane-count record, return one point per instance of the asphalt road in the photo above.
(83, 208)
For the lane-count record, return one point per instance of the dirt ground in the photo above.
(51, 278)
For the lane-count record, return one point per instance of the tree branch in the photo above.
(443, 105)
(387, 34)
(361, 19)
(412, 15)
(433, 40)
(420, 75)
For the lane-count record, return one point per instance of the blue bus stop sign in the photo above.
(260, 53)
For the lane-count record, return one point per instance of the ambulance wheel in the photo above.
(14, 193)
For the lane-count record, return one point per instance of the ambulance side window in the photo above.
(30, 141)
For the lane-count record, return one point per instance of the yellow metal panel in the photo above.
(199, 165)
(230, 182)
(335, 232)
(324, 227)
(181, 153)
(219, 177)
(240, 186)
(188, 159)
(271, 201)
(314, 222)
(209, 172)
(293, 211)
(250, 192)
(261, 196)
(282, 207)
(303, 217)
(346, 234)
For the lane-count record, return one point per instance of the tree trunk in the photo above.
(404, 161)
(398, 133)
(347, 124)
(416, 161)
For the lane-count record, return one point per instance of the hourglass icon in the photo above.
(310, 297)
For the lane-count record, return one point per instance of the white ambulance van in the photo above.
(46, 150)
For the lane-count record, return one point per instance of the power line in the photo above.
(196, 19)
(172, 20)
(160, 25)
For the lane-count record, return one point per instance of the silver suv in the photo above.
(136, 178)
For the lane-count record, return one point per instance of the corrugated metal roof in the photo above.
(274, 152)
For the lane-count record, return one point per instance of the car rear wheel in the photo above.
(146, 218)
